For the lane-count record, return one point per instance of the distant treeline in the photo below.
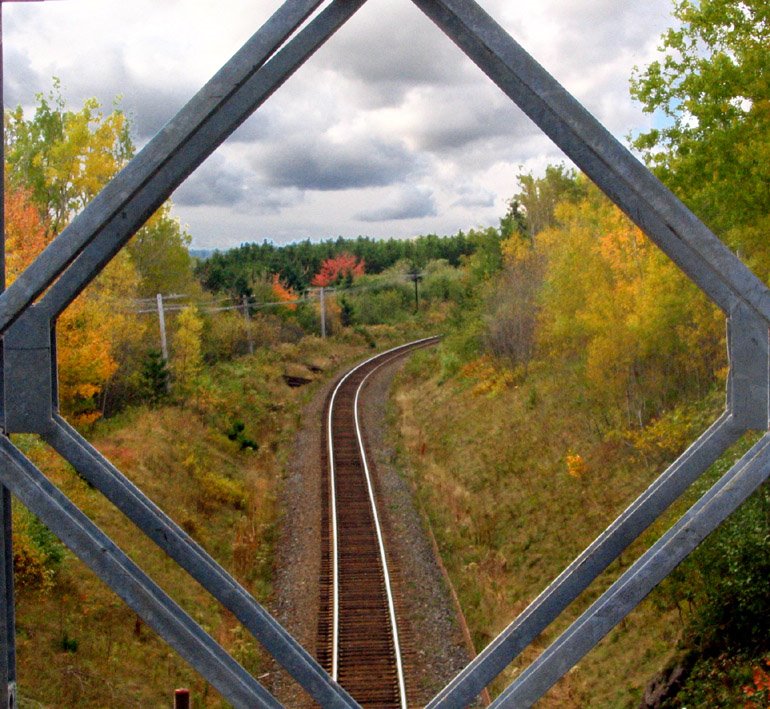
(237, 270)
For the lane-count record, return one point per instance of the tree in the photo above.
(187, 356)
(65, 157)
(154, 377)
(283, 293)
(339, 270)
(532, 208)
(619, 309)
(160, 252)
(57, 161)
(91, 328)
(712, 86)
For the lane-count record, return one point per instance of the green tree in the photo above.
(160, 252)
(154, 377)
(712, 87)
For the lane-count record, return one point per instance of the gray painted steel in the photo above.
(98, 233)
(124, 200)
(586, 567)
(246, 95)
(6, 612)
(648, 571)
(98, 471)
(700, 254)
(111, 565)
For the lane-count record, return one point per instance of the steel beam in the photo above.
(141, 594)
(748, 392)
(124, 200)
(9, 597)
(605, 549)
(679, 233)
(99, 472)
(633, 586)
(7, 634)
(116, 229)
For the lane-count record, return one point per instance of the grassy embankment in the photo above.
(78, 644)
(515, 484)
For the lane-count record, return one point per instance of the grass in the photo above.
(78, 644)
(515, 482)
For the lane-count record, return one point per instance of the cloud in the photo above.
(407, 202)
(388, 48)
(387, 104)
(222, 182)
(474, 197)
(320, 163)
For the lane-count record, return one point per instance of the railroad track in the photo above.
(359, 638)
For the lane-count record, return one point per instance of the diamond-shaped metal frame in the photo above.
(75, 257)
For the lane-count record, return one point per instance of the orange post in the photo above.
(182, 699)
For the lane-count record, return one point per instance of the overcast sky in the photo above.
(387, 131)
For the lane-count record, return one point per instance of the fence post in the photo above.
(247, 318)
(182, 699)
(323, 314)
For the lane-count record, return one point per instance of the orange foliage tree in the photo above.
(91, 328)
(283, 293)
(343, 268)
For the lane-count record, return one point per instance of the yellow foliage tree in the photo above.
(92, 328)
(187, 357)
(613, 302)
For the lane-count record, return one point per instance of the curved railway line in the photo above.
(359, 638)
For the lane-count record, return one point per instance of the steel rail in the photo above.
(335, 551)
(333, 498)
(378, 530)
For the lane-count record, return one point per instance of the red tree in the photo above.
(338, 269)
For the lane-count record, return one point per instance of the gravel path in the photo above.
(437, 647)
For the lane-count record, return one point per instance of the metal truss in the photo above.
(31, 305)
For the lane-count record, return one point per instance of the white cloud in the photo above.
(387, 129)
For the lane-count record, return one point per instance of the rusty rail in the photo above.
(358, 630)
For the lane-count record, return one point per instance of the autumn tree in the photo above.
(64, 157)
(283, 293)
(91, 327)
(339, 270)
(57, 161)
(512, 306)
(532, 208)
(611, 302)
(187, 353)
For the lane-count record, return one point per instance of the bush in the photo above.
(37, 552)
(382, 306)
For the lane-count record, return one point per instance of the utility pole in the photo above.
(247, 318)
(162, 323)
(323, 313)
(415, 276)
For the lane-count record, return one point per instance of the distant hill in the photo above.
(201, 254)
